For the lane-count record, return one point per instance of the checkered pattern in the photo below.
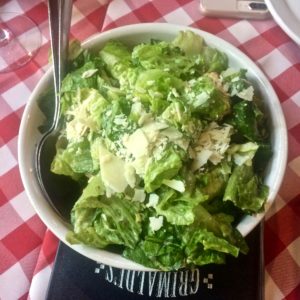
(28, 249)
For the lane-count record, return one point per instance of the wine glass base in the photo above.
(20, 39)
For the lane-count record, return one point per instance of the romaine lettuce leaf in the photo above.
(203, 243)
(214, 60)
(213, 182)
(262, 156)
(85, 115)
(247, 119)
(84, 77)
(245, 190)
(162, 55)
(114, 52)
(178, 208)
(189, 42)
(209, 59)
(243, 153)
(153, 86)
(74, 160)
(176, 114)
(220, 225)
(207, 99)
(116, 57)
(162, 249)
(166, 167)
(236, 84)
(99, 221)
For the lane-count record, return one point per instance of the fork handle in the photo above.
(60, 13)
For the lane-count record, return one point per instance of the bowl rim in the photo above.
(59, 227)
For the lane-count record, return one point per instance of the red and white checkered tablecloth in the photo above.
(27, 248)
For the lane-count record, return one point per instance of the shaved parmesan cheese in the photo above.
(137, 143)
(153, 200)
(89, 73)
(152, 135)
(129, 173)
(176, 136)
(172, 133)
(212, 144)
(112, 170)
(75, 130)
(182, 143)
(156, 223)
(144, 118)
(154, 126)
(140, 164)
(216, 158)
(201, 159)
(247, 94)
(177, 185)
(228, 72)
(200, 99)
(139, 195)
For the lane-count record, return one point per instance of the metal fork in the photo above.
(56, 189)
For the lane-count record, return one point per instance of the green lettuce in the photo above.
(214, 60)
(166, 167)
(189, 42)
(153, 86)
(116, 57)
(162, 249)
(84, 77)
(245, 190)
(100, 221)
(208, 58)
(161, 55)
(213, 182)
(207, 99)
(247, 119)
(178, 208)
(74, 160)
(207, 240)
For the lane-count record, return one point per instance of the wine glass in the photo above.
(20, 39)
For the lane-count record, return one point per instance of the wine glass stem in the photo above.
(5, 36)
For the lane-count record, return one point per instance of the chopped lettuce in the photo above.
(214, 60)
(189, 42)
(170, 146)
(236, 84)
(116, 57)
(153, 86)
(213, 182)
(178, 208)
(166, 167)
(74, 160)
(248, 120)
(99, 221)
(159, 55)
(245, 190)
(209, 59)
(84, 77)
(161, 249)
(207, 99)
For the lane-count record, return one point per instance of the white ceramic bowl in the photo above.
(133, 34)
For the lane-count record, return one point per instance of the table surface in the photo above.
(27, 248)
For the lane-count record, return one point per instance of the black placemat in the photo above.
(76, 277)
